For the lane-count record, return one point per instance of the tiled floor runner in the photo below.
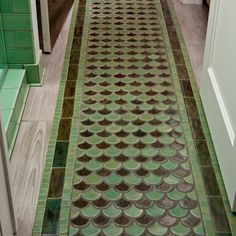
(132, 171)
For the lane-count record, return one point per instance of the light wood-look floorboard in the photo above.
(193, 22)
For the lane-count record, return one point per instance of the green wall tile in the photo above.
(5, 6)
(16, 21)
(20, 55)
(17, 39)
(20, 6)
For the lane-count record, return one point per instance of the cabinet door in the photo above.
(217, 88)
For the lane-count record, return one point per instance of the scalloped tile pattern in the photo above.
(133, 174)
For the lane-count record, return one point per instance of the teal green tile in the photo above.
(20, 55)
(21, 6)
(18, 39)
(16, 21)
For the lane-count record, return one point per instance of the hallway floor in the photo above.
(130, 152)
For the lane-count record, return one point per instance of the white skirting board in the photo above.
(196, 2)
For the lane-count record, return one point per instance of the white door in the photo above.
(218, 88)
(7, 216)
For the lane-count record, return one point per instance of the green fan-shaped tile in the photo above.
(132, 195)
(112, 230)
(199, 230)
(184, 152)
(113, 128)
(192, 195)
(169, 165)
(161, 106)
(178, 212)
(112, 165)
(148, 139)
(131, 151)
(80, 152)
(196, 212)
(130, 128)
(111, 211)
(96, 128)
(113, 179)
(179, 129)
(166, 139)
(189, 179)
(82, 128)
(133, 212)
(146, 116)
(97, 106)
(93, 165)
(96, 117)
(175, 195)
(148, 128)
(113, 88)
(129, 106)
(145, 106)
(128, 88)
(181, 139)
(129, 116)
(112, 79)
(128, 97)
(90, 230)
(134, 230)
(186, 165)
(180, 229)
(112, 139)
(112, 106)
(132, 179)
(112, 151)
(131, 164)
(152, 179)
(144, 97)
(157, 230)
(162, 117)
(112, 117)
(154, 195)
(90, 211)
(94, 152)
(91, 195)
(95, 139)
(151, 165)
(131, 139)
(93, 179)
(149, 152)
(111, 195)
(171, 179)
(73, 230)
(155, 211)
(164, 128)
(167, 152)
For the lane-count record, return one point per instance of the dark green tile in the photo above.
(172, 31)
(223, 234)
(186, 88)
(70, 89)
(175, 43)
(197, 128)
(191, 107)
(178, 55)
(51, 217)
(64, 130)
(56, 183)
(60, 154)
(218, 213)
(169, 21)
(72, 72)
(182, 72)
(210, 181)
(76, 45)
(203, 153)
(74, 57)
(78, 31)
(68, 107)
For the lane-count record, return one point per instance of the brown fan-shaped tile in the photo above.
(140, 145)
(104, 84)
(105, 101)
(104, 111)
(123, 172)
(89, 101)
(103, 145)
(101, 220)
(81, 186)
(121, 92)
(122, 134)
(151, 93)
(156, 134)
(137, 111)
(180, 172)
(185, 187)
(122, 158)
(121, 145)
(101, 203)
(166, 203)
(104, 134)
(123, 220)
(137, 102)
(84, 158)
(102, 187)
(123, 203)
(83, 172)
(155, 122)
(168, 220)
(104, 122)
(145, 220)
(150, 83)
(141, 172)
(159, 158)
(157, 144)
(191, 221)
(161, 171)
(80, 221)
(188, 203)
(139, 133)
(120, 101)
(120, 83)
(103, 158)
(119, 67)
(89, 111)
(84, 145)
(80, 203)
(122, 122)
(103, 172)
(86, 133)
(138, 122)
(142, 187)
(122, 187)
(89, 84)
